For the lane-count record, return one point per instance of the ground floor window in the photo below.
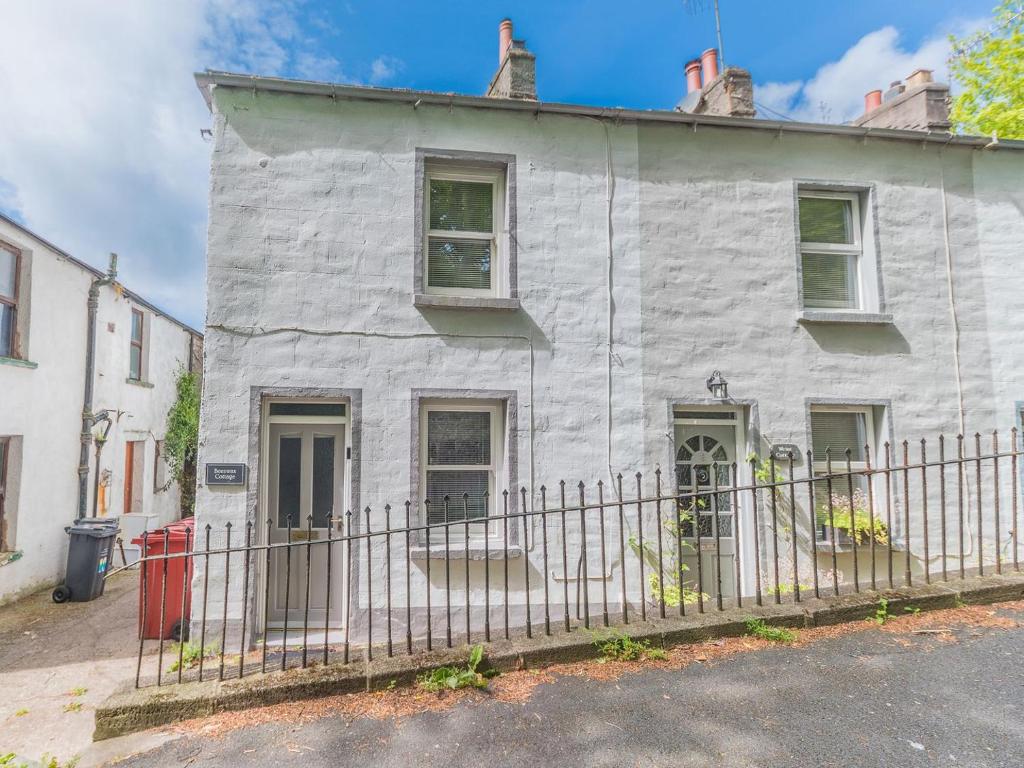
(838, 432)
(460, 456)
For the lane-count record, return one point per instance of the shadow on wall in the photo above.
(866, 341)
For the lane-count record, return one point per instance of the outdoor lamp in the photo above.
(718, 386)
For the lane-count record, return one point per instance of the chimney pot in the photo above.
(504, 39)
(872, 100)
(693, 76)
(709, 64)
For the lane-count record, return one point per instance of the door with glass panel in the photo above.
(304, 493)
(705, 451)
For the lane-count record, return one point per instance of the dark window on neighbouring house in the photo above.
(5, 457)
(9, 263)
(138, 328)
(134, 469)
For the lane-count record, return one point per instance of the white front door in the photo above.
(705, 448)
(304, 494)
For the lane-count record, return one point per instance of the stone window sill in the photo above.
(846, 317)
(6, 558)
(137, 383)
(457, 551)
(18, 362)
(492, 304)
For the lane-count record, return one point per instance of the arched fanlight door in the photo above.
(697, 459)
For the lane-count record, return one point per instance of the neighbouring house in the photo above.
(414, 295)
(49, 474)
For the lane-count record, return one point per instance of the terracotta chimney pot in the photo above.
(504, 39)
(709, 64)
(693, 76)
(872, 100)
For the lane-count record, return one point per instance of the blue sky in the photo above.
(100, 148)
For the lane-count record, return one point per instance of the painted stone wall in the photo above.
(310, 286)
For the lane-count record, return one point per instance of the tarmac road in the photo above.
(865, 699)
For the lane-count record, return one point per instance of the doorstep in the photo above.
(135, 710)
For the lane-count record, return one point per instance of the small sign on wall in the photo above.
(786, 452)
(225, 474)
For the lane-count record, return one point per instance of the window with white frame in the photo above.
(460, 456)
(834, 431)
(463, 220)
(9, 264)
(831, 250)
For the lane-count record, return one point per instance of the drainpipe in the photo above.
(90, 364)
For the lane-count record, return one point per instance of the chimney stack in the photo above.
(693, 76)
(918, 104)
(729, 93)
(516, 77)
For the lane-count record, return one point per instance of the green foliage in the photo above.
(21, 712)
(759, 629)
(46, 761)
(913, 610)
(453, 678)
(882, 614)
(958, 601)
(989, 66)
(862, 525)
(73, 706)
(182, 437)
(674, 588)
(78, 691)
(618, 646)
(190, 655)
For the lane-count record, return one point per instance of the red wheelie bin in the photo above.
(154, 593)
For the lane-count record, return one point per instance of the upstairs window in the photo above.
(463, 225)
(9, 259)
(137, 348)
(831, 250)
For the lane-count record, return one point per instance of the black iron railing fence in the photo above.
(584, 557)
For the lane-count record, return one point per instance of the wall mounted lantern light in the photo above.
(718, 386)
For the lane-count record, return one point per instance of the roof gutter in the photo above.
(210, 79)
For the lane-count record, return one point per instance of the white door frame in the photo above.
(743, 545)
(264, 491)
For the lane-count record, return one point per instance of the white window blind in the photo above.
(830, 247)
(838, 431)
(463, 214)
(460, 462)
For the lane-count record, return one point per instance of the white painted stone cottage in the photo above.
(44, 370)
(414, 294)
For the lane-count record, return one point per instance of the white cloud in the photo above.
(99, 144)
(384, 68)
(835, 94)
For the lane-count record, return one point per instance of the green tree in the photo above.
(182, 438)
(989, 66)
